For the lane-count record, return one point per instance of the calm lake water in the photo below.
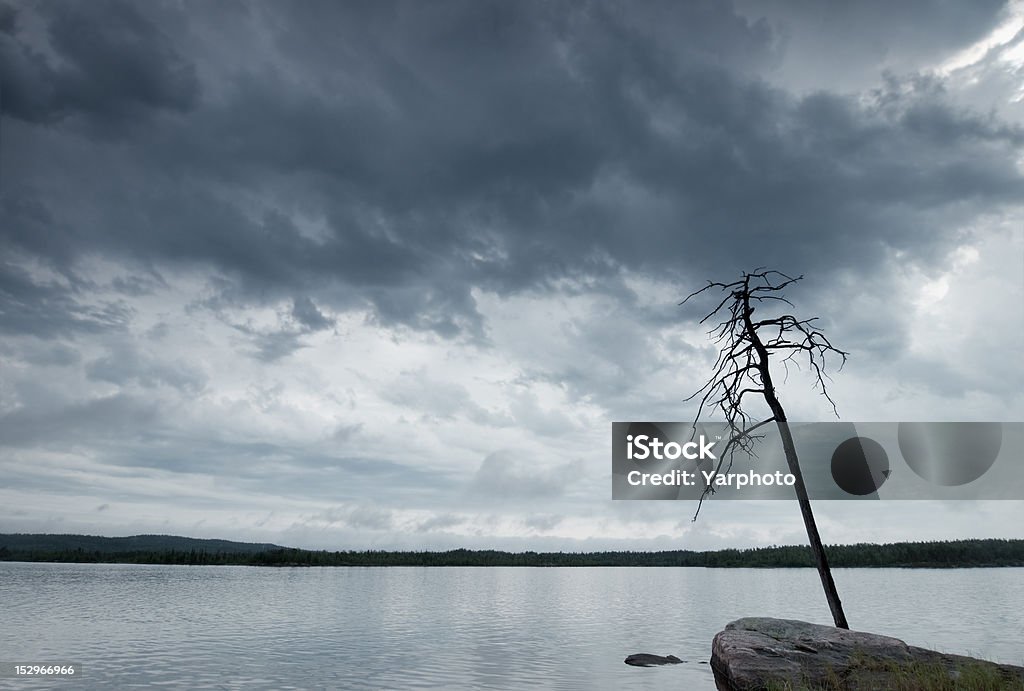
(547, 628)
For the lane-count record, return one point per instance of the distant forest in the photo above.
(167, 549)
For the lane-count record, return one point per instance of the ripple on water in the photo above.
(487, 628)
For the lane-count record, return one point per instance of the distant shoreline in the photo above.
(167, 549)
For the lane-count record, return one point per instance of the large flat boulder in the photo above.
(758, 652)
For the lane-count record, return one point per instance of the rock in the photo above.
(648, 660)
(756, 652)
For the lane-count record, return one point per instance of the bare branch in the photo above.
(742, 366)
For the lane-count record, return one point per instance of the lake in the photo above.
(225, 627)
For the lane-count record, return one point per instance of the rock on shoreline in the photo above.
(755, 652)
(648, 660)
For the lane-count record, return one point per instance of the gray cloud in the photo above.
(438, 399)
(440, 522)
(126, 365)
(49, 355)
(543, 521)
(136, 286)
(270, 345)
(307, 314)
(515, 474)
(118, 417)
(842, 46)
(361, 517)
(51, 309)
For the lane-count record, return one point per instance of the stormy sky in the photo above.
(377, 274)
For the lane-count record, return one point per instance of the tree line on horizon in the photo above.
(940, 554)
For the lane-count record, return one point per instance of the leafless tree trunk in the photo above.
(743, 368)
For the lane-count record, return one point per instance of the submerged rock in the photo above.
(756, 652)
(648, 660)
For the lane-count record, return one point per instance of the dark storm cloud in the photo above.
(437, 148)
(136, 286)
(112, 64)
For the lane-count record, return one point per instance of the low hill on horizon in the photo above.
(59, 542)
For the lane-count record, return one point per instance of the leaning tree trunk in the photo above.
(768, 391)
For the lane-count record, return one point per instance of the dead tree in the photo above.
(747, 345)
